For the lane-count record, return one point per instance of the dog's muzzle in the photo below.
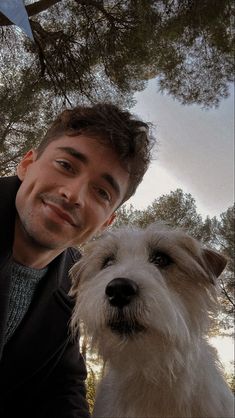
(121, 291)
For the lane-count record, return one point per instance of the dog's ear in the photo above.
(215, 262)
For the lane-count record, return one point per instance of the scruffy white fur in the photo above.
(159, 361)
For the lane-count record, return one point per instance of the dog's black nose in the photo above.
(120, 291)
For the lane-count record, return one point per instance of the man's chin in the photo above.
(48, 241)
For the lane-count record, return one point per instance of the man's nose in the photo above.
(74, 192)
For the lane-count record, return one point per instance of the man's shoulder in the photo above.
(12, 181)
(8, 188)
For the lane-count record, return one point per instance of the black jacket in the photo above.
(42, 372)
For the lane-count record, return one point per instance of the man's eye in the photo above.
(104, 194)
(160, 259)
(65, 164)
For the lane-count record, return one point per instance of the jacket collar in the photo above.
(8, 189)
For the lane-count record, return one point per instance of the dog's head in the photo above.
(133, 282)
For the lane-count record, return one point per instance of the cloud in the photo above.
(196, 151)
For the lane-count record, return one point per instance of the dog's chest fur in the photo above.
(136, 396)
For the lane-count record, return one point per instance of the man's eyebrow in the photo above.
(74, 153)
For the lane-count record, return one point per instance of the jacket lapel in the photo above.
(4, 298)
(42, 331)
(8, 190)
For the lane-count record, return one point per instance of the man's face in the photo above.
(70, 192)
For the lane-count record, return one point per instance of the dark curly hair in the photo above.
(128, 136)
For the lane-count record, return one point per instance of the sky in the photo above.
(225, 350)
(195, 151)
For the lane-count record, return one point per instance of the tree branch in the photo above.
(222, 285)
(32, 9)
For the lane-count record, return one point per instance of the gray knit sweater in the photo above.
(24, 281)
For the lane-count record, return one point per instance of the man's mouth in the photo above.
(65, 216)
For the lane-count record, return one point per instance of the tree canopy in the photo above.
(90, 50)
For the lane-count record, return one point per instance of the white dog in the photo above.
(145, 297)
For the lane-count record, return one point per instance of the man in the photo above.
(90, 161)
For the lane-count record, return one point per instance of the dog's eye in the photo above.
(160, 259)
(108, 261)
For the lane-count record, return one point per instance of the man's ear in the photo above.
(108, 222)
(26, 161)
